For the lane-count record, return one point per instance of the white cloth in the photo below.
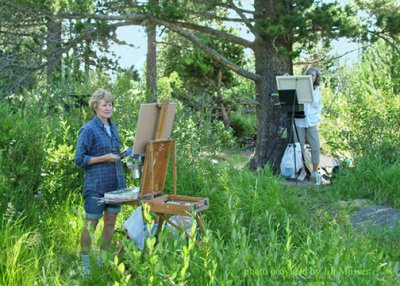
(135, 227)
(108, 129)
(312, 111)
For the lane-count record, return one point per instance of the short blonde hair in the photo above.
(99, 95)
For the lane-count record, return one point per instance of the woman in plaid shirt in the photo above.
(96, 153)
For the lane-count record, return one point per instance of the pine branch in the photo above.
(141, 19)
(249, 25)
(212, 53)
(327, 58)
(210, 16)
(210, 31)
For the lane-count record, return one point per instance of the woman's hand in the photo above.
(107, 158)
(110, 158)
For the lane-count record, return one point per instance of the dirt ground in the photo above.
(326, 163)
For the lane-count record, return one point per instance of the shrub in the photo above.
(22, 138)
(373, 178)
(365, 116)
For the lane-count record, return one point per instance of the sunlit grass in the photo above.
(259, 231)
(269, 235)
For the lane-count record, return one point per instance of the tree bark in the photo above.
(86, 55)
(54, 57)
(222, 103)
(268, 64)
(151, 60)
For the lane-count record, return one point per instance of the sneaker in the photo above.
(101, 258)
(85, 265)
(85, 270)
(325, 182)
(314, 176)
(99, 261)
(302, 176)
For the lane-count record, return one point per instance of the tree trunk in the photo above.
(54, 56)
(269, 64)
(225, 116)
(222, 103)
(86, 55)
(151, 61)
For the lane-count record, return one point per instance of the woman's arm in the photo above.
(107, 158)
(81, 159)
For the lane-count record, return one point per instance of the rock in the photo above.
(357, 203)
(342, 204)
(376, 218)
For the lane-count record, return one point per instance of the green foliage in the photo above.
(243, 124)
(72, 6)
(258, 230)
(17, 57)
(171, 86)
(374, 177)
(189, 62)
(40, 244)
(386, 17)
(264, 235)
(198, 132)
(365, 118)
(199, 94)
(298, 26)
(58, 171)
(178, 9)
(22, 138)
(204, 84)
(19, 258)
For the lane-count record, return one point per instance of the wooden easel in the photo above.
(157, 156)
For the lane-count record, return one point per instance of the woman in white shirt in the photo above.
(307, 127)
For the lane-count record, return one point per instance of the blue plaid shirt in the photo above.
(93, 141)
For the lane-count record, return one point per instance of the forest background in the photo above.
(53, 55)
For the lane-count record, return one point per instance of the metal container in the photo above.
(136, 171)
(318, 179)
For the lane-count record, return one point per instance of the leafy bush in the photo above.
(258, 231)
(22, 138)
(373, 178)
(365, 117)
(243, 124)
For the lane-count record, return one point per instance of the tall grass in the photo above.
(25, 259)
(259, 232)
(373, 178)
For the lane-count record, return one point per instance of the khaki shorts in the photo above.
(312, 136)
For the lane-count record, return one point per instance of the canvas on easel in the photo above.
(153, 142)
(148, 126)
(302, 84)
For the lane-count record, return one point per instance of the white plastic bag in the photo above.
(307, 159)
(291, 161)
(183, 222)
(134, 226)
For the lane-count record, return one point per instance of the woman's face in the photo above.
(104, 109)
(313, 75)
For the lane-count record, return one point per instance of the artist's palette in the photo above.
(122, 195)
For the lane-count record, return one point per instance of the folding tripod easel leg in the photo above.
(163, 218)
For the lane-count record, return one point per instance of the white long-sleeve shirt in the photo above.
(312, 111)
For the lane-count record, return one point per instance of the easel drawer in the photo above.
(173, 204)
